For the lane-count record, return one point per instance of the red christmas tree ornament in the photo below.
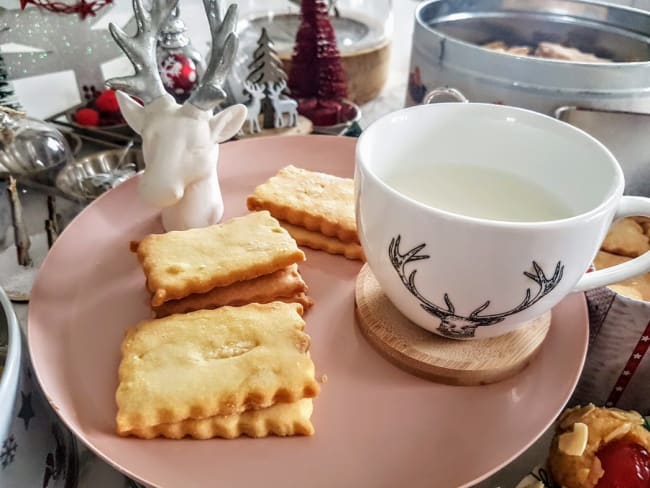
(87, 117)
(626, 465)
(107, 102)
(316, 70)
(179, 74)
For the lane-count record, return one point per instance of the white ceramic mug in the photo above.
(472, 278)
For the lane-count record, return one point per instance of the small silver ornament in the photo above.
(30, 148)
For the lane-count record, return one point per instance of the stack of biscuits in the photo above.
(207, 368)
(246, 260)
(317, 209)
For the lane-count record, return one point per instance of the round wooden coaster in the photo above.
(425, 354)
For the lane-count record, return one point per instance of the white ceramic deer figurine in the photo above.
(180, 143)
(282, 106)
(254, 106)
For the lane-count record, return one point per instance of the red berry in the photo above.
(626, 465)
(107, 102)
(87, 116)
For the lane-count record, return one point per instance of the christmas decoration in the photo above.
(107, 102)
(180, 65)
(64, 43)
(179, 75)
(316, 76)
(53, 223)
(26, 412)
(175, 135)
(87, 116)
(282, 105)
(7, 96)
(8, 451)
(21, 235)
(266, 70)
(83, 8)
(253, 106)
(30, 148)
(102, 111)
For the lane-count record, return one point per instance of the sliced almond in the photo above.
(630, 416)
(574, 443)
(619, 431)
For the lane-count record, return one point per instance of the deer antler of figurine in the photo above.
(453, 324)
(180, 143)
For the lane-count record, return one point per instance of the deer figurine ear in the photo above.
(227, 123)
(132, 111)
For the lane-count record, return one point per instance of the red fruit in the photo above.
(626, 465)
(107, 102)
(87, 116)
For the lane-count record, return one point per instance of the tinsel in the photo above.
(84, 8)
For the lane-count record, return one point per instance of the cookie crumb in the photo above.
(323, 379)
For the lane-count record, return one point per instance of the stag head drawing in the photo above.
(180, 143)
(453, 324)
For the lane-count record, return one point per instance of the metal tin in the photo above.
(447, 51)
(620, 132)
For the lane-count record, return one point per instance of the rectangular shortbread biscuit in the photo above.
(281, 419)
(316, 201)
(180, 306)
(180, 263)
(213, 362)
(318, 241)
(285, 282)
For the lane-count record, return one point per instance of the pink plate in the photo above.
(375, 425)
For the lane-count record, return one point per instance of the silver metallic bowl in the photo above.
(88, 178)
(37, 152)
(447, 51)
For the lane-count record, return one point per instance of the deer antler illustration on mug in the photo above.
(453, 324)
(180, 143)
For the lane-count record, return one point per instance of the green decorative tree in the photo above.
(7, 95)
(266, 69)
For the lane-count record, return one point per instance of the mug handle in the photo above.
(444, 92)
(628, 207)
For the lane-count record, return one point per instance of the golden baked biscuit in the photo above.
(318, 241)
(213, 362)
(282, 285)
(316, 201)
(627, 238)
(580, 433)
(637, 287)
(281, 419)
(181, 263)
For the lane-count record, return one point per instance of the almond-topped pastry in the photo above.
(213, 363)
(600, 448)
(181, 263)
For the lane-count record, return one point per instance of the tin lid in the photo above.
(450, 33)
